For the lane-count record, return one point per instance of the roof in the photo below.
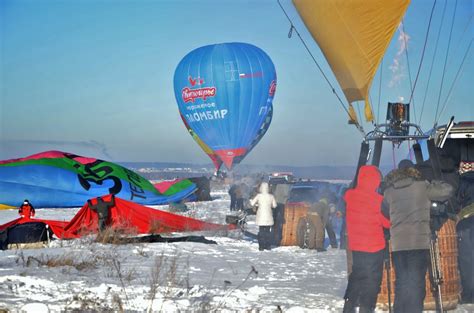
(461, 130)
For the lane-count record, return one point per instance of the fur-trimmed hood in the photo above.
(401, 178)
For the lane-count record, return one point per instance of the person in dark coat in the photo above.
(319, 211)
(281, 193)
(330, 227)
(26, 210)
(465, 231)
(233, 196)
(102, 208)
(239, 197)
(449, 171)
(408, 198)
(365, 224)
(341, 213)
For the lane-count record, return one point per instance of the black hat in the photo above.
(405, 164)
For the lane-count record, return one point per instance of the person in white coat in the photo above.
(263, 203)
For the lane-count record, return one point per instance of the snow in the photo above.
(172, 277)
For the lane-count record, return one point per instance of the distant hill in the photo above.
(169, 170)
(313, 172)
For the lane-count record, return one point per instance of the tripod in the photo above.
(435, 271)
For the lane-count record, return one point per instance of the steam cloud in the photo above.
(396, 67)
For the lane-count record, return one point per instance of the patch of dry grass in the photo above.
(63, 260)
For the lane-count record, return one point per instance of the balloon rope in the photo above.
(410, 151)
(358, 109)
(374, 121)
(408, 64)
(393, 156)
(454, 81)
(445, 61)
(461, 40)
(380, 91)
(422, 55)
(292, 27)
(432, 61)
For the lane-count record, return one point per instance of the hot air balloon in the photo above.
(359, 35)
(61, 179)
(224, 94)
(353, 36)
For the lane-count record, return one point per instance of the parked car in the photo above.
(311, 191)
(281, 178)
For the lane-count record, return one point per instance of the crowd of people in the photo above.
(384, 217)
(413, 208)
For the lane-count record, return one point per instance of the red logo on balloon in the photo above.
(194, 81)
(189, 95)
(271, 90)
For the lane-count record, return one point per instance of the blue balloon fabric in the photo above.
(60, 179)
(224, 93)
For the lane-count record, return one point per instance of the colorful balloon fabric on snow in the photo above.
(224, 94)
(61, 179)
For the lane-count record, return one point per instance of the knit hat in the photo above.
(405, 164)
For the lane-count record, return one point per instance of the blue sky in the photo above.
(96, 78)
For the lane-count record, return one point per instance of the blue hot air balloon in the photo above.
(224, 94)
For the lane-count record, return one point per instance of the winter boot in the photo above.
(349, 306)
(365, 309)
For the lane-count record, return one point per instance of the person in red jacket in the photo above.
(365, 223)
(26, 210)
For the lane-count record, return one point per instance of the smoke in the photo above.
(101, 146)
(397, 68)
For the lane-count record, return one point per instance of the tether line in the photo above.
(408, 64)
(422, 54)
(445, 62)
(432, 61)
(454, 81)
(380, 91)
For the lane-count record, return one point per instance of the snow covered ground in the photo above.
(171, 277)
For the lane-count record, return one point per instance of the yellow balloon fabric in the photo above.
(214, 157)
(353, 36)
(352, 115)
(6, 207)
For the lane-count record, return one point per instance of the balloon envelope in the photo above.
(224, 94)
(353, 36)
(60, 179)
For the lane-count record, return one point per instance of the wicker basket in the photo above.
(449, 268)
(311, 231)
(293, 213)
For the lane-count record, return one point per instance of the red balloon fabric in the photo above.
(126, 216)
